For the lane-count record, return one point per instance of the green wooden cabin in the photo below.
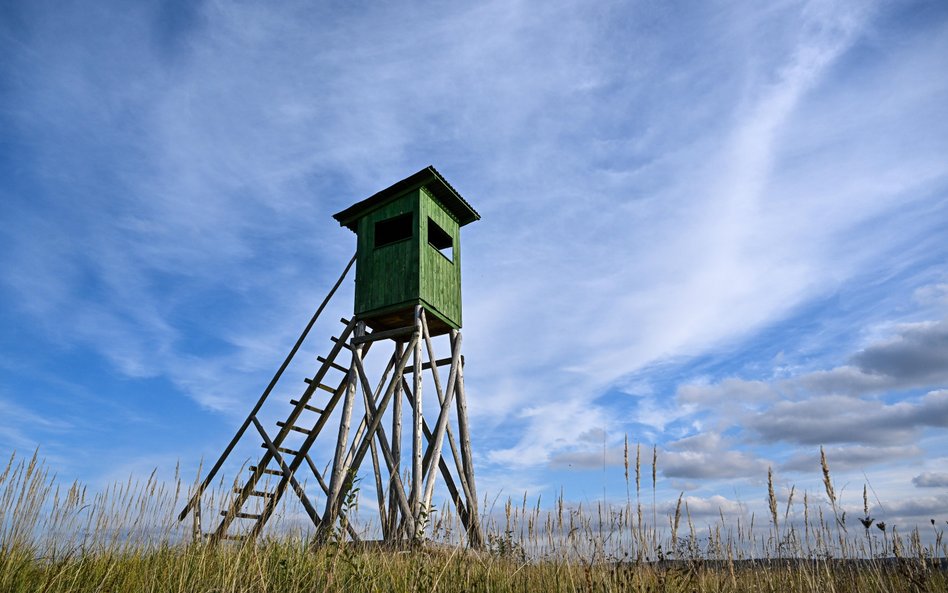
(409, 252)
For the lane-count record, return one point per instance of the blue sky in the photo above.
(718, 228)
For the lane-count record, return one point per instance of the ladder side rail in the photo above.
(266, 393)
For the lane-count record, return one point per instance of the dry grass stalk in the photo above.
(827, 479)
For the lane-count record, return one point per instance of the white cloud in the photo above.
(708, 456)
(931, 480)
(850, 457)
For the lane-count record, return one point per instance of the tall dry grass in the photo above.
(57, 538)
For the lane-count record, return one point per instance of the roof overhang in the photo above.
(427, 177)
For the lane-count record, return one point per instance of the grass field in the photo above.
(56, 538)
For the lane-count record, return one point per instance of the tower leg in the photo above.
(339, 474)
(417, 416)
(396, 449)
(474, 533)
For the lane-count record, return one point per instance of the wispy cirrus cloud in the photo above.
(659, 186)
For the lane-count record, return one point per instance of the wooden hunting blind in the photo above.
(408, 289)
(409, 252)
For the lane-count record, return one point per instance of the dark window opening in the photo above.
(392, 230)
(440, 240)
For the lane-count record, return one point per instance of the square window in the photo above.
(393, 230)
(440, 240)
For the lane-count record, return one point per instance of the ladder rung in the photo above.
(343, 321)
(296, 402)
(343, 344)
(272, 472)
(236, 538)
(259, 493)
(296, 428)
(242, 515)
(292, 452)
(332, 364)
(322, 386)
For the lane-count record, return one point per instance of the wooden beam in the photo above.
(282, 424)
(384, 335)
(440, 362)
(455, 450)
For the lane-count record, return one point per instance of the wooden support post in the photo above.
(369, 397)
(434, 446)
(197, 532)
(396, 449)
(363, 423)
(339, 477)
(475, 536)
(448, 479)
(455, 450)
(370, 413)
(373, 425)
(417, 445)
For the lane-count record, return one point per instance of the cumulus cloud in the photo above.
(729, 391)
(931, 480)
(916, 355)
(611, 457)
(845, 419)
(710, 507)
(708, 456)
(844, 379)
(849, 457)
(918, 509)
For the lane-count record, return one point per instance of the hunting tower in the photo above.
(407, 291)
(409, 252)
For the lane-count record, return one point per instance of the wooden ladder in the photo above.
(285, 459)
(282, 461)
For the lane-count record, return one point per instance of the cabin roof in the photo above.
(427, 177)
